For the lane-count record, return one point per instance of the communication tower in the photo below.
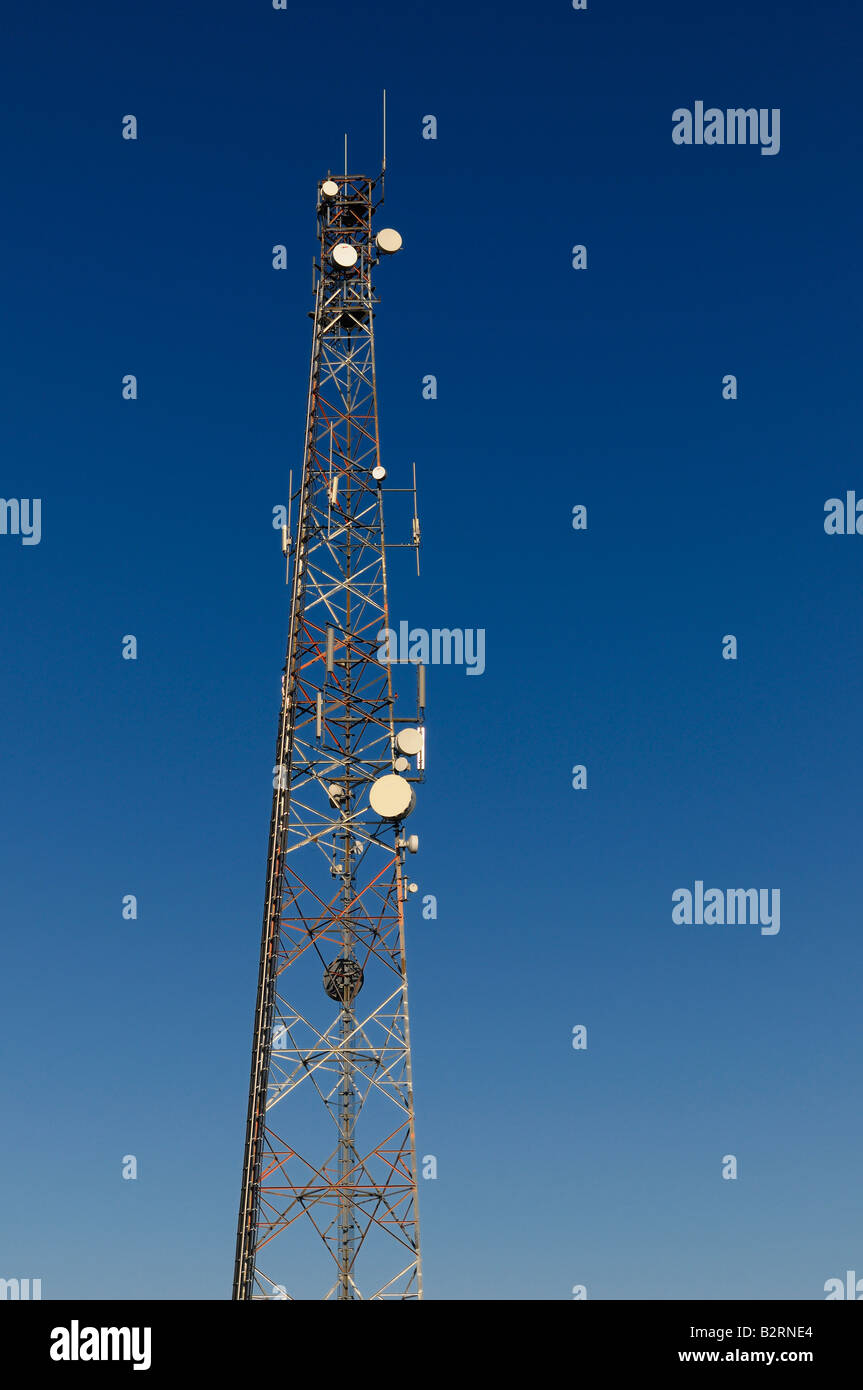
(328, 1206)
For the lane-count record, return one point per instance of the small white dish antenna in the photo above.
(392, 797)
(379, 473)
(344, 255)
(409, 742)
(388, 240)
(329, 188)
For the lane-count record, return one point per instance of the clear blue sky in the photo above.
(556, 387)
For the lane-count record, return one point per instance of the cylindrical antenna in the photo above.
(415, 530)
(346, 154)
(286, 530)
(331, 648)
(320, 714)
(421, 686)
(384, 159)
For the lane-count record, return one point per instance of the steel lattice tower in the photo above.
(328, 1207)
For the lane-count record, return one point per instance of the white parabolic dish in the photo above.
(409, 742)
(344, 255)
(329, 188)
(392, 797)
(388, 240)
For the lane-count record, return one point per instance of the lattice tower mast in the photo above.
(328, 1205)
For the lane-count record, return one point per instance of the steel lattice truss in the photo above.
(329, 1198)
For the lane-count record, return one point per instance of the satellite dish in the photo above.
(392, 797)
(379, 473)
(344, 255)
(409, 742)
(388, 240)
(329, 188)
(343, 979)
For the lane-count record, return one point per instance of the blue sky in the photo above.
(555, 387)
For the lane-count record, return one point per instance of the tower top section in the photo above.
(349, 244)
